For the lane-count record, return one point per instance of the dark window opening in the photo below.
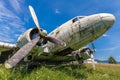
(57, 32)
(81, 17)
(74, 20)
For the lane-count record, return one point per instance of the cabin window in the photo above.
(81, 17)
(74, 20)
(57, 32)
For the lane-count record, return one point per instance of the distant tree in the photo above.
(111, 60)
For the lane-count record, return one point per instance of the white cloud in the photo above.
(6, 39)
(10, 23)
(105, 35)
(57, 11)
(16, 5)
(101, 58)
(110, 48)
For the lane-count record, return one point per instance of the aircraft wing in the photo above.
(6, 46)
(5, 50)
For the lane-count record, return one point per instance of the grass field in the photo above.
(64, 72)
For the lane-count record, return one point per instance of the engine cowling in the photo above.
(29, 35)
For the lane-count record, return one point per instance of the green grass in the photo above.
(64, 72)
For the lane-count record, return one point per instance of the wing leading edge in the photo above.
(6, 46)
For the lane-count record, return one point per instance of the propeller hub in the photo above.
(44, 33)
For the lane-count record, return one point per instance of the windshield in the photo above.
(77, 18)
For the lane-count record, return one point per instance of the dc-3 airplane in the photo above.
(59, 45)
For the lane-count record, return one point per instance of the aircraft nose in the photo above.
(108, 19)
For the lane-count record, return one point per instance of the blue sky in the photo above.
(16, 19)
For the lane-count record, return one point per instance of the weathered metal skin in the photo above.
(26, 37)
(76, 33)
(81, 32)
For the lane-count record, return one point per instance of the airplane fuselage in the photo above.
(80, 31)
(76, 33)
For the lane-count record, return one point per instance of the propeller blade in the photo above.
(34, 17)
(42, 34)
(21, 53)
(53, 40)
(93, 61)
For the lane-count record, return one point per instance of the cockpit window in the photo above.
(78, 18)
(81, 17)
(74, 20)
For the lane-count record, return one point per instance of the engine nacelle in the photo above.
(28, 36)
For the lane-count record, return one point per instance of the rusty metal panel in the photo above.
(67, 36)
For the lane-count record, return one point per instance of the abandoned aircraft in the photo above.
(59, 45)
